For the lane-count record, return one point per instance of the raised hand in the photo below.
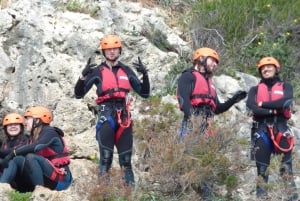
(88, 68)
(140, 67)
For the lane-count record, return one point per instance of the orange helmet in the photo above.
(13, 118)
(268, 60)
(110, 41)
(39, 112)
(206, 52)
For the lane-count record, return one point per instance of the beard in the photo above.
(112, 59)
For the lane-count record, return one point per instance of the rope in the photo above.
(279, 135)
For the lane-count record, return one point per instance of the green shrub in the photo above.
(17, 196)
(185, 165)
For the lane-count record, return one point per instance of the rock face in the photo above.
(43, 48)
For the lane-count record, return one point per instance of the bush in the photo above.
(178, 169)
(17, 196)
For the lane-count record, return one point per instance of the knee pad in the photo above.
(262, 171)
(106, 156)
(125, 159)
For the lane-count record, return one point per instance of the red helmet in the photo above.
(268, 60)
(206, 52)
(13, 118)
(39, 112)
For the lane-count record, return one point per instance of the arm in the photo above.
(16, 142)
(45, 139)
(237, 97)
(4, 152)
(222, 107)
(280, 103)
(184, 91)
(252, 105)
(84, 84)
(141, 88)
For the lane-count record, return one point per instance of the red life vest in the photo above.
(276, 92)
(57, 159)
(204, 92)
(113, 85)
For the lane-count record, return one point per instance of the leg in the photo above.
(42, 172)
(262, 155)
(34, 169)
(106, 158)
(23, 182)
(124, 146)
(261, 188)
(106, 147)
(14, 166)
(286, 171)
(125, 163)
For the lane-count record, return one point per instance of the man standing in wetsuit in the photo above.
(113, 81)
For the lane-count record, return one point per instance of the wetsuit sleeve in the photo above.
(16, 142)
(4, 152)
(185, 87)
(223, 107)
(83, 86)
(281, 103)
(252, 105)
(142, 88)
(42, 142)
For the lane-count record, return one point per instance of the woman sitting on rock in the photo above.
(46, 158)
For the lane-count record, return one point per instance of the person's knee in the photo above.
(125, 159)
(30, 157)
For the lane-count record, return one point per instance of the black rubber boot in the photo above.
(261, 187)
(125, 163)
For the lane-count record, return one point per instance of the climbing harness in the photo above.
(276, 140)
(127, 122)
(60, 172)
(123, 123)
(203, 117)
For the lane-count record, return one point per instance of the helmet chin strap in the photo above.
(204, 64)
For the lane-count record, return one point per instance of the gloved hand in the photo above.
(140, 67)
(88, 68)
(239, 95)
(4, 162)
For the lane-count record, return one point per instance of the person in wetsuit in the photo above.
(196, 94)
(45, 160)
(13, 126)
(113, 81)
(270, 105)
